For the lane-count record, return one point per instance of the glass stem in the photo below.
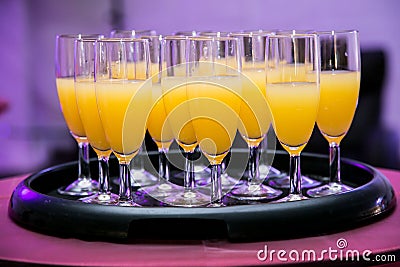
(334, 163)
(216, 186)
(295, 175)
(254, 161)
(141, 161)
(104, 175)
(84, 168)
(125, 192)
(188, 182)
(163, 164)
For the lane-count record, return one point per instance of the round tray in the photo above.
(36, 205)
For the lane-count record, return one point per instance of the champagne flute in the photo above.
(293, 96)
(88, 112)
(157, 126)
(173, 84)
(283, 181)
(214, 96)
(64, 66)
(340, 85)
(200, 170)
(123, 93)
(204, 179)
(254, 115)
(142, 177)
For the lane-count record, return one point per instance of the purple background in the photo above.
(33, 133)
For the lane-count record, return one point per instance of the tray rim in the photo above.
(222, 213)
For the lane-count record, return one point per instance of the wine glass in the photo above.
(254, 115)
(88, 112)
(340, 85)
(173, 84)
(157, 126)
(123, 93)
(64, 66)
(214, 96)
(292, 93)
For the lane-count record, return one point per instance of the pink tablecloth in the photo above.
(21, 245)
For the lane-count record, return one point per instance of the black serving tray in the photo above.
(36, 205)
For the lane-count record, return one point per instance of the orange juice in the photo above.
(67, 97)
(254, 111)
(338, 102)
(88, 111)
(157, 125)
(177, 110)
(214, 105)
(294, 109)
(124, 107)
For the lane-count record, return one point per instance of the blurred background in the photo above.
(33, 134)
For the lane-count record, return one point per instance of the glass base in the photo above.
(201, 173)
(284, 182)
(162, 190)
(102, 199)
(248, 192)
(216, 205)
(266, 171)
(188, 198)
(291, 197)
(142, 178)
(227, 182)
(127, 203)
(328, 189)
(80, 187)
(139, 179)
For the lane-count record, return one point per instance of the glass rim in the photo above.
(186, 33)
(261, 33)
(86, 40)
(122, 40)
(296, 35)
(176, 37)
(80, 35)
(151, 37)
(333, 32)
(294, 31)
(133, 32)
(214, 33)
(212, 38)
(198, 38)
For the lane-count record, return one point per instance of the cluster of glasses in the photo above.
(201, 89)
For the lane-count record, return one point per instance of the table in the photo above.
(17, 244)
